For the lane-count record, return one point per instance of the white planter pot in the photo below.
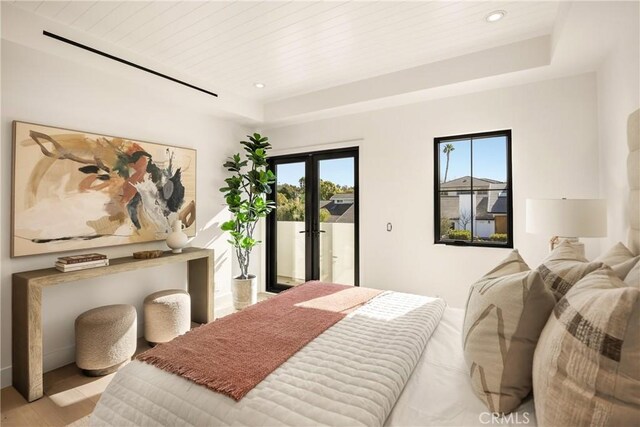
(244, 291)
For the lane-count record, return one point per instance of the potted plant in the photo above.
(245, 194)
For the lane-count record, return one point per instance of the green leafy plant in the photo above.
(324, 215)
(290, 210)
(498, 237)
(445, 225)
(459, 234)
(245, 194)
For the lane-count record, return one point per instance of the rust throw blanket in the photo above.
(233, 354)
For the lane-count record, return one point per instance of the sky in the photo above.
(338, 171)
(489, 159)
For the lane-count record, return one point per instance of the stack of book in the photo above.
(81, 262)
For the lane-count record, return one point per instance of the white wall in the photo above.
(618, 97)
(555, 154)
(42, 88)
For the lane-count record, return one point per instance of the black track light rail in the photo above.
(124, 61)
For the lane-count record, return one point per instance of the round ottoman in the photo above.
(167, 314)
(105, 338)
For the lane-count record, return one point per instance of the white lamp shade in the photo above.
(567, 217)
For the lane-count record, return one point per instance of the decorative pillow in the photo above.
(506, 311)
(563, 267)
(633, 278)
(620, 259)
(585, 368)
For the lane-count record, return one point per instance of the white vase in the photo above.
(177, 240)
(244, 291)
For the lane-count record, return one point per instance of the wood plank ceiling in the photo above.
(297, 46)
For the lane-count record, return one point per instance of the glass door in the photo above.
(291, 214)
(337, 220)
(313, 232)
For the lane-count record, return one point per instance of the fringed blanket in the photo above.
(235, 353)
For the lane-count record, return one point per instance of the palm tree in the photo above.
(447, 150)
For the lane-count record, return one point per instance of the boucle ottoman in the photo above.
(105, 338)
(167, 314)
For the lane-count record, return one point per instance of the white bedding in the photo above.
(439, 392)
(351, 375)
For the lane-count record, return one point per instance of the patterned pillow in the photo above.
(506, 311)
(620, 259)
(563, 267)
(585, 369)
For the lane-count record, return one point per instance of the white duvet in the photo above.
(439, 392)
(351, 375)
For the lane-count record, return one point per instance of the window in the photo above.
(473, 193)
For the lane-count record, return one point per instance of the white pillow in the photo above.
(633, 278)
(620, 259)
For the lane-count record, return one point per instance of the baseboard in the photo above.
(58, 358)
(50, 361)
(223, 305)
(5, 377)
(53, 360)
(63, 356)
(265, 295)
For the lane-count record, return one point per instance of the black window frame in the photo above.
(437, 191)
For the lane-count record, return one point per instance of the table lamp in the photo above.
(567, 219)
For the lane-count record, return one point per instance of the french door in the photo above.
(313, 232)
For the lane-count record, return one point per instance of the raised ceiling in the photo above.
(297, 47)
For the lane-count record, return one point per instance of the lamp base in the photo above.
(575, 242)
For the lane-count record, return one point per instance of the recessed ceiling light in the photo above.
(495, 16)
(259, 85)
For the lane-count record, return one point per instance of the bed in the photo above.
(436, 392)
(350, 375)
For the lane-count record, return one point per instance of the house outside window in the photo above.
(473, 190)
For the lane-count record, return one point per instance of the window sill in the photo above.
(476, 245)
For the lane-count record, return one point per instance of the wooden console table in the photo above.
(26, 310)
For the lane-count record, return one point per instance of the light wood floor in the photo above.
(69, 396)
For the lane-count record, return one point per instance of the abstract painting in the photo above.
(76, 190)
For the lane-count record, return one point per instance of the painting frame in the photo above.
(184, 184)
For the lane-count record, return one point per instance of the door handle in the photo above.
(314, 231)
